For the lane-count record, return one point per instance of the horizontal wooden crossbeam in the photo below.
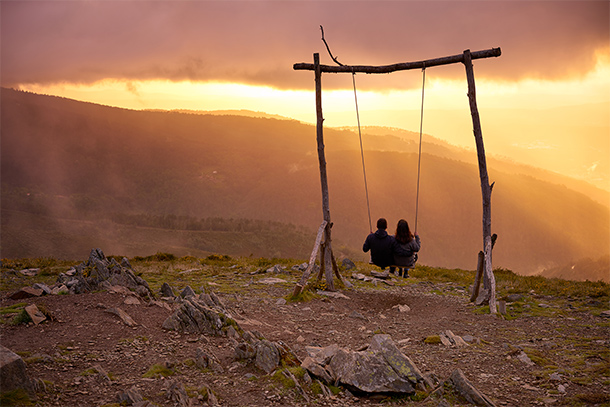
(403, 66)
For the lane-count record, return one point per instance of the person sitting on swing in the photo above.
(383, 247)
(409, 242)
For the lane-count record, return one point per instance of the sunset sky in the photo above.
(544, 102)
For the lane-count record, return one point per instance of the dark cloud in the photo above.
(259, 41)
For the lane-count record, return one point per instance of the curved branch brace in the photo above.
(328, 48)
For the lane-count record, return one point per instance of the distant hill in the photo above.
(67, 160)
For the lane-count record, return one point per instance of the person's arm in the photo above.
(366, 246)
(415, 244)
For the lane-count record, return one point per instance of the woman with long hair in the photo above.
(407, 241)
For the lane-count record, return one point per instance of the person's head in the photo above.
(403, 233)
(382, 224)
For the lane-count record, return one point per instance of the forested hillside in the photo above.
(77, 171)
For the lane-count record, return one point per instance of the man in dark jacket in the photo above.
(383, 246)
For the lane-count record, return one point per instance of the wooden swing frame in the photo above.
(327, 262)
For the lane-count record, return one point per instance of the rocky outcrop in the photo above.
(201, 315)
(98, 272)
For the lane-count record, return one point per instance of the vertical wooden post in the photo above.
(485, 187)
(327, 253)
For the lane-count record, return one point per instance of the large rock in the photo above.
(367, 372)
(13, 374)
(384, 345)
(382, 368)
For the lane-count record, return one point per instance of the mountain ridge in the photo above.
(106, 160)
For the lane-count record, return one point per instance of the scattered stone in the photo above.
(245, 350)
(26, 292)
(300, 267)
(35, 314)
(514, 297)
(123, 315)
(348, 264)
(556, 377)
(29, 272)
(383, 275)
(115, 289)
(281, 301)
(160, 304)
(130, 397)
(205, 360)
(316, 369)
(102, 374)
(402, 308)
(272, 280)
(470, 339)
(467, 390)
(356, 314)
(483, 298)
(561, 388)
(187, 292)
(525, 359)
(42, 286)
(277, 269)
(210, 398)
(13, 373)
(60, 289)
(166, 290)
(177, 393)
(131, 300)
(333, 294)
(189, 271)
(605, 314)
(448, 338)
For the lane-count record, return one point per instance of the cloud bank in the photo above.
(257, 42)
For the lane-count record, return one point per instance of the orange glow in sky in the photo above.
(528, 115)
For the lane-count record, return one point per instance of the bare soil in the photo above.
(83, 335)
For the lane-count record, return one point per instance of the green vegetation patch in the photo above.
(18, 397)
(157, 370)
(13, 309)
(433, 340)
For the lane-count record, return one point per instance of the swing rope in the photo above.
(366, 189)
(421, 125)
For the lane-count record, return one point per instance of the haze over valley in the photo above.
(77, 175)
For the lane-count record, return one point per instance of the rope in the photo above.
(366, 189)
(421, 124)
